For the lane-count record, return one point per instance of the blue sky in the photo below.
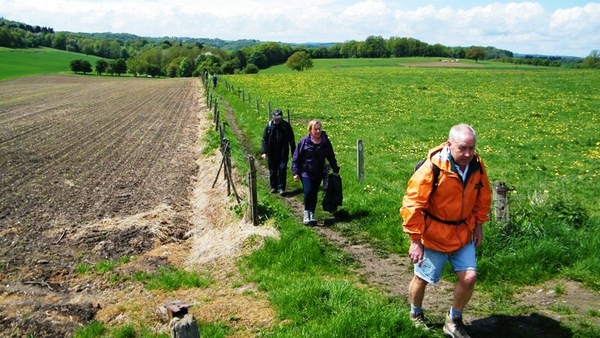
(536, 27)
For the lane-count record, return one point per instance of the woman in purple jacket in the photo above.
(308, 164)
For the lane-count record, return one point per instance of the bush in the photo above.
(251, 69)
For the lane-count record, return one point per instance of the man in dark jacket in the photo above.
(277, 141)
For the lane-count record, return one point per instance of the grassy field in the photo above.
(36, 61)
(537, 131)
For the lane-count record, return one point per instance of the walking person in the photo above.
(277, 143)
(308, 165)
(444, 222)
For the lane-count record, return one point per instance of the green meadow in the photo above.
(37, 61)
(537, 132)
(537, 127)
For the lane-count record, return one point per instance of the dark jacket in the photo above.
(278, 140)
(309, 158)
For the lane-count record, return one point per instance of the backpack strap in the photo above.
(436, 173)
(436, 177)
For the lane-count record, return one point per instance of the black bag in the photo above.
(332, 194)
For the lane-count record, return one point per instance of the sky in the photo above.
(566, 28)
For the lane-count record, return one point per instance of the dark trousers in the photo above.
(311, 193)
(277, 172)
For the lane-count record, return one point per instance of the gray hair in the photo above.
(458, 131)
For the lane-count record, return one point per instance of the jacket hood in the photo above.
(440, 157)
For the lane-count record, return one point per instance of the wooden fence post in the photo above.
(360, 164)
(226, 163)
(185, 327)
(253, 205)
(216, 120)
(501, 205)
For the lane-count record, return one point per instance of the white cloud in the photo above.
(549, 27)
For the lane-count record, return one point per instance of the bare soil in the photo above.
(448, 63)
(94, 169)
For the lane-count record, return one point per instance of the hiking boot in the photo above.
(418, 320)
(306, 217)
(281, 191)
(311, 217)
(455, 328)
(273, 191)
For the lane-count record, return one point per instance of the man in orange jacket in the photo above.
(445, 222)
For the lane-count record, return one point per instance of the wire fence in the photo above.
(225, 148)
(501, 189)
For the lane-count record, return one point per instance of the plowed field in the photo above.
(91, 168)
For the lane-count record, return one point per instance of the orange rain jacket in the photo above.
(452, 201)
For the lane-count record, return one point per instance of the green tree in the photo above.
(250, 69)
(186, 67)
(349, 49)
(86, 66)
(258, 59)
(76, 66)
(373, 47)
(101, 66)
(592, 60)
(6, 37)
(79, 65)
(438, 50)
(137, 66)
(59, 41)
(153, 70)
(299, 61)
(475, 53)
(118, 67)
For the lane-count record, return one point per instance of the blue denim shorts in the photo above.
(434, 261)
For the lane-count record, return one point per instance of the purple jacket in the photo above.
(309, 158)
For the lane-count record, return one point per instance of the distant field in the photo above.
(37, 61)
(320, 64)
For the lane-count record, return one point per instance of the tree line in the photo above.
(185, 57)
